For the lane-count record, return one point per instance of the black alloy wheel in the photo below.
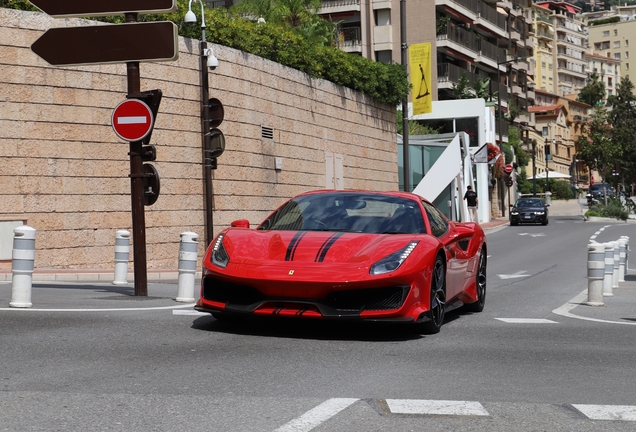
(437, 299)
(478, 306)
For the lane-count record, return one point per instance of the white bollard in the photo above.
(609, 269)
(595, 270)
(626, 238)
(188, 257)
(617, 258)
(22, 266)
(621, 260)
(122, 254)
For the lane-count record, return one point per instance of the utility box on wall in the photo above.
(6, 238)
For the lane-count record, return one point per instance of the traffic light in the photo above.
(152, 186)
(546, 148)
(148, 153)
(216, 137)
(152, 98)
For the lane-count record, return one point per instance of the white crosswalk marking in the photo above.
(608, 412)
(439, 407)
(318, 415)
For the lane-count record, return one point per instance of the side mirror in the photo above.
(241, 223)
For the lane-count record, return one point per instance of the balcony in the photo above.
(449, 74)
(468, 43)
(350, 39)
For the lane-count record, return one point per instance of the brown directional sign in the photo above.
(115, 43)
(81, 8)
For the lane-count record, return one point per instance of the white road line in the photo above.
(608, 412)
(577, 301)
(318, 415)
(437, 407)
(526, 321)
(189, 312)
(98, 310)
(518, 274)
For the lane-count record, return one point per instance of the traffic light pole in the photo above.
(205, 138)
(137, 188)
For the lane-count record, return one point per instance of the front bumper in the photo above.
(226, 297)
(529, 217)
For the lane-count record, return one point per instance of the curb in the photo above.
(94, 276)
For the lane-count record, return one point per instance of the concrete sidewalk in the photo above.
(618, 308)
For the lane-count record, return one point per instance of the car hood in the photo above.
(255, 247)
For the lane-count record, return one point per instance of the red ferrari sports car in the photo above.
(389, 256)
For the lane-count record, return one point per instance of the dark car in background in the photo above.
(529, 210)
(596, 190)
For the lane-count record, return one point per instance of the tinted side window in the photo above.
(439, 226)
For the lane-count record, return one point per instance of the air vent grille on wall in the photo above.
(267, 132)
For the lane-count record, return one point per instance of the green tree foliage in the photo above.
(283, 44)
(515, 142)
(18, 4)
(593, 92)
(415, 128)
(597, 148)
(463, 89)
(623, 120)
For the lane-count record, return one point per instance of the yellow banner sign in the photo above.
(420, 71)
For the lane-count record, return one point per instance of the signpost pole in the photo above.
(137, 188)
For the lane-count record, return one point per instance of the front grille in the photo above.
(230, 293)
(242, 297)
(368, 299)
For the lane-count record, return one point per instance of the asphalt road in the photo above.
(101, 360)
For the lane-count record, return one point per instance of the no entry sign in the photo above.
(132, 120)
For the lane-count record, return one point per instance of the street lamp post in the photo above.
(534, 167)
(547, 168)
(191, 18)
(499, 63)
(406, 168)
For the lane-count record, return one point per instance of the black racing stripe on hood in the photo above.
(293, 244)
(320, 256)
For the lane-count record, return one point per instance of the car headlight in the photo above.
(394, 261)
(514, 212)
(219, 256)
(539, 213)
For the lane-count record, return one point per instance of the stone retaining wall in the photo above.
(64, 172)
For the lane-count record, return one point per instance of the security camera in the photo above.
(190, 17)
(213, 62)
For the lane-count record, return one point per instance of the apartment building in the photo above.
(561, 67)
(607, 69)
(612, 40)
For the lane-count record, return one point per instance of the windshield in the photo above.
(535, 202)
(343, 211)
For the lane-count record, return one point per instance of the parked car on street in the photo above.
(596, 190)
(529, 210)
(347, 255)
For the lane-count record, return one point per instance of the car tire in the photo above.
(480, 285)
(545, 222)
(514, 223)
(437, 299)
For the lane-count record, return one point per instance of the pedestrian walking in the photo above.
(473, 203)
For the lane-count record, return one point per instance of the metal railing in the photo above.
(349, 36)
(338, 3)
(468, 39)
(486, 11)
